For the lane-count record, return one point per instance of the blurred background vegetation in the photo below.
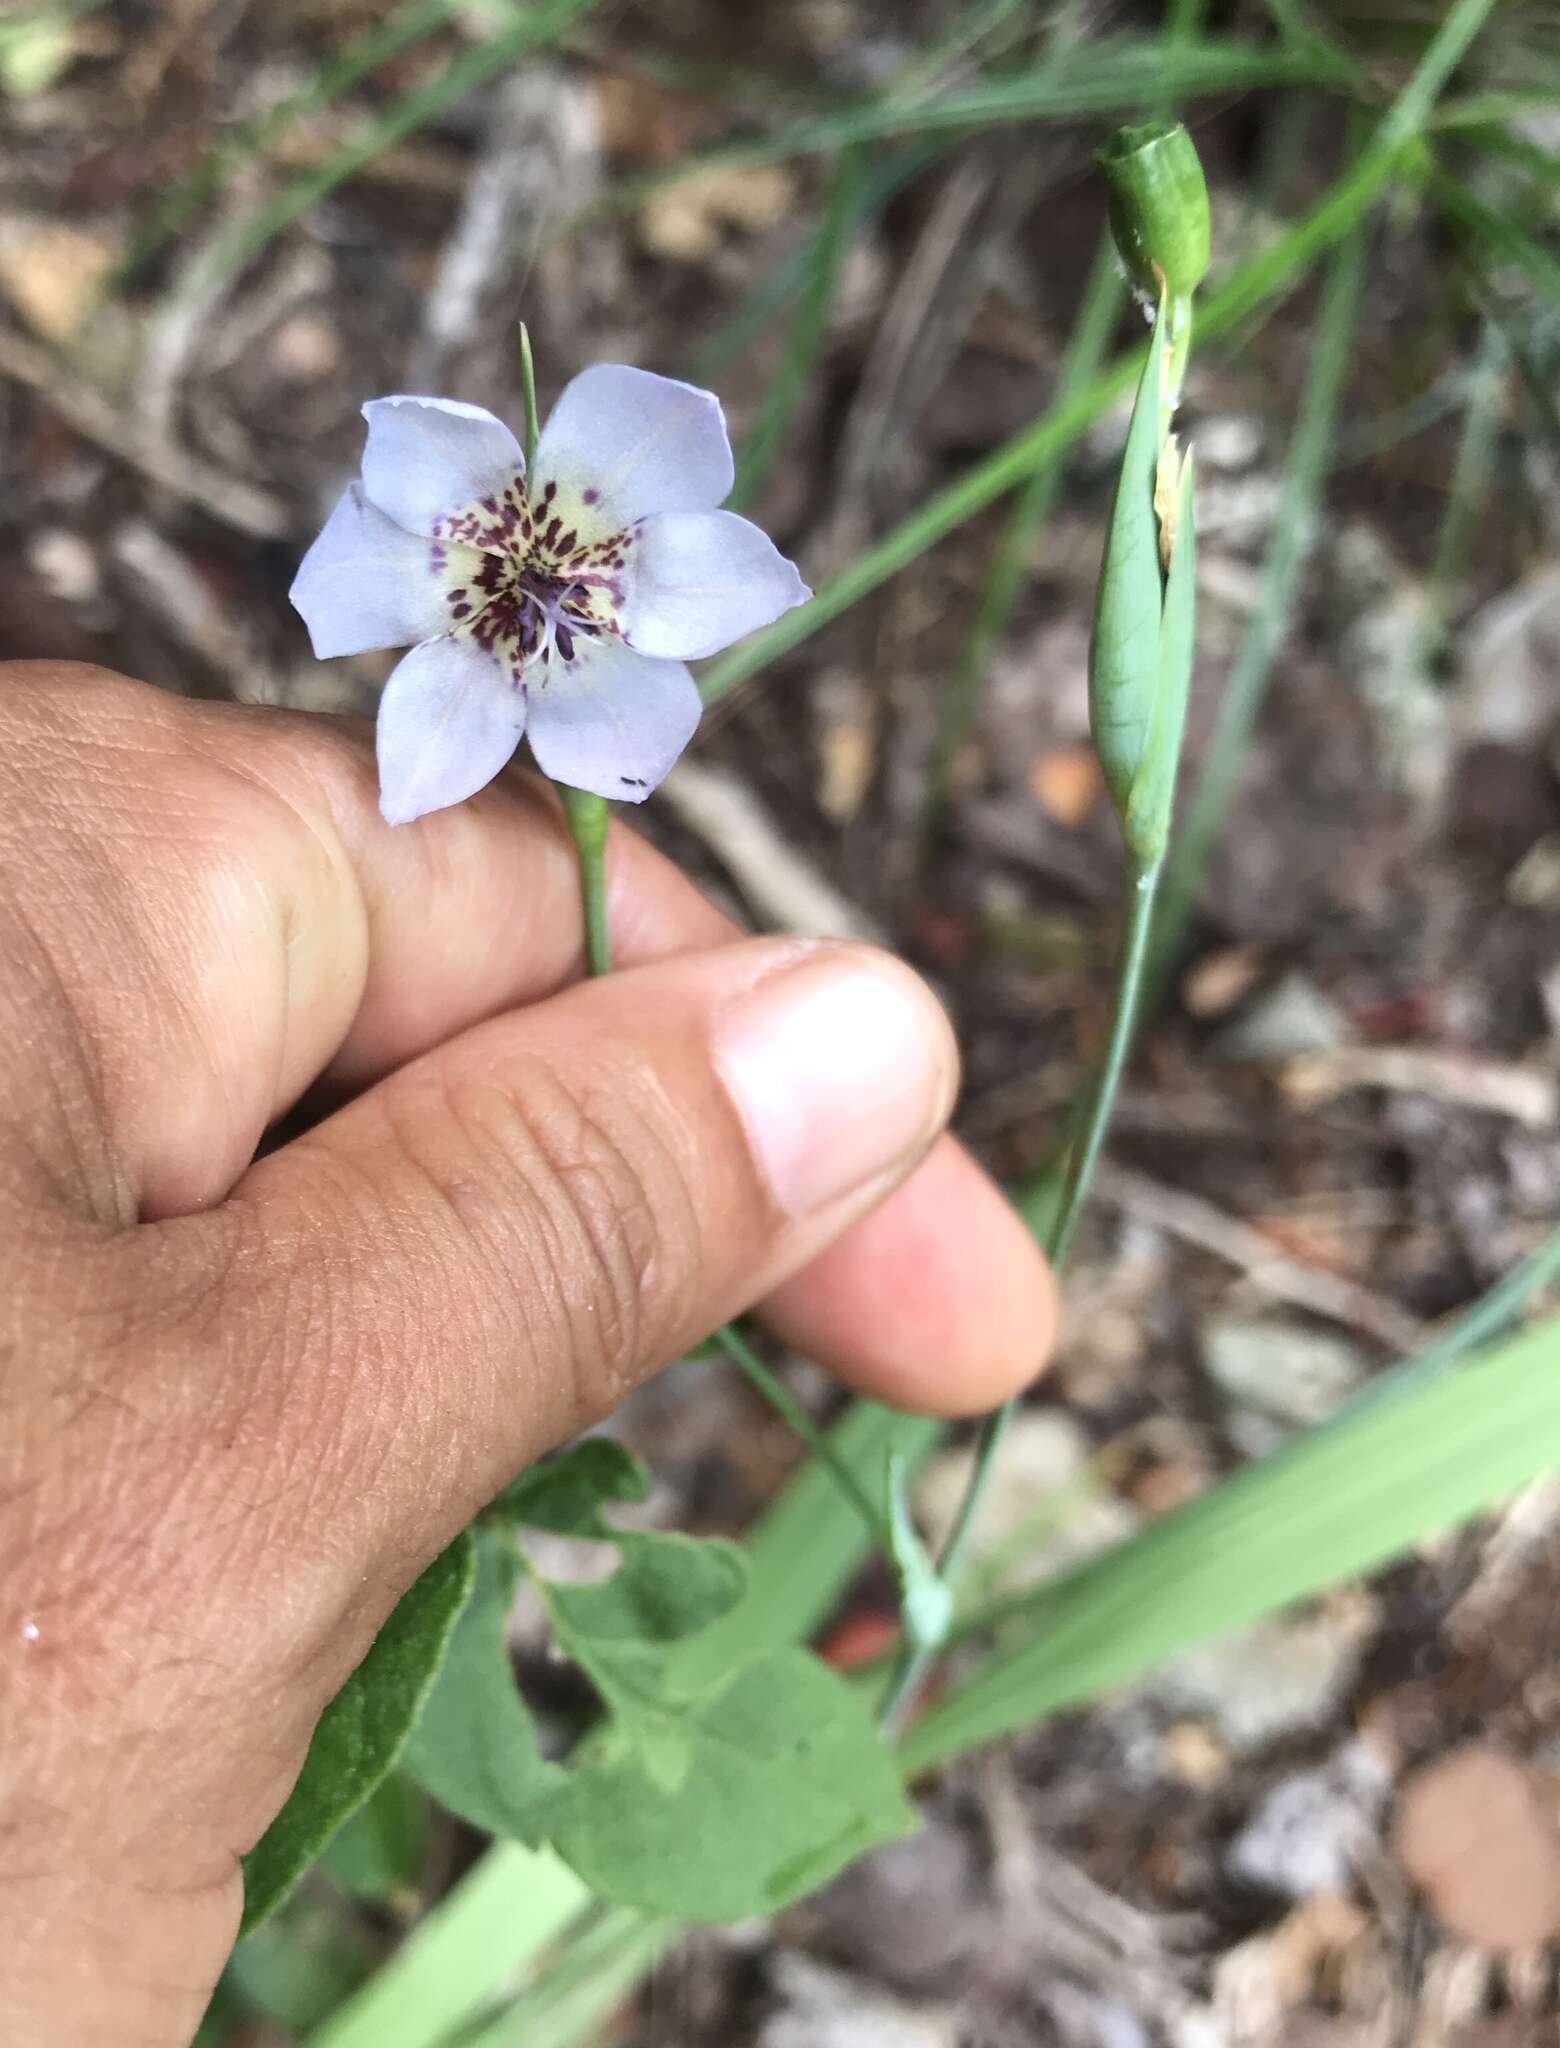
(875, 227)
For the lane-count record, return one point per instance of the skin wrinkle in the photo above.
(80, 1122)
(352, 912)
(489, 1211)
(608, 1231)
(293, 1390)
(70, 792)
(434, 1271)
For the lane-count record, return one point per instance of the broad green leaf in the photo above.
(785, 1782)
(1124, 654)
(474, 1747)
(380, 1850)
(362, 1732)
(694, 1758)
(1147, 825)
(567, 1493)
(515, 1901)
(808, 1547)
(665, 1588)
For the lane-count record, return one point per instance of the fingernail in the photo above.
(842, 1068)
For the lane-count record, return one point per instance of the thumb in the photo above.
(485, 1251)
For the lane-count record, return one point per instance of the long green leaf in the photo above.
(364, 54)
(1153, 787)
(461, 1958)
(1496, 235)
(533, 28)
(1332, 1504)
(1120, 74)
(362, 1732)
(809, 326)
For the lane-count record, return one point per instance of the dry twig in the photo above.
(782, 885)
(226, 498)
(1197, 1222)
(1527, 1095)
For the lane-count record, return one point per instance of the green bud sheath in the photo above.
(1124, 652)
(1158, 207)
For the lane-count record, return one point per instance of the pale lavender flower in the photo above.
(566, 610)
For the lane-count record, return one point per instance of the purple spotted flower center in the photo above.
(543, 582)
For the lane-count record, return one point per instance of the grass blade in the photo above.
(1495, 235)
(1117, 75)
(1097, 318)
(1472, 474)
(613, 1953)
(532, 29)
(473, 1943)
(1260, 280)
(889, 174)
(809, 327)
(1337, 1502)
(348, 67)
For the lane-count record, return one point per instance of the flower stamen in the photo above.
(539, 587)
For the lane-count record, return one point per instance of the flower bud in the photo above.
(1158, 207)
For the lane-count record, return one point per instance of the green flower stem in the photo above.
(587, 816)
(588, 821)
(800, 1423)
(913, 1665)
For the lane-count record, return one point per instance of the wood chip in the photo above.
(53, 272)
(1067, 782)
(1214, 984)
(1476, 1832)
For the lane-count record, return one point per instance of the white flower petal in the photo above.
(623, 442)
(449, 719)
(429, 456)
(696, 581)
(367, 582)
(611, 720)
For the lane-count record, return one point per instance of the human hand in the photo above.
(244, 1402)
